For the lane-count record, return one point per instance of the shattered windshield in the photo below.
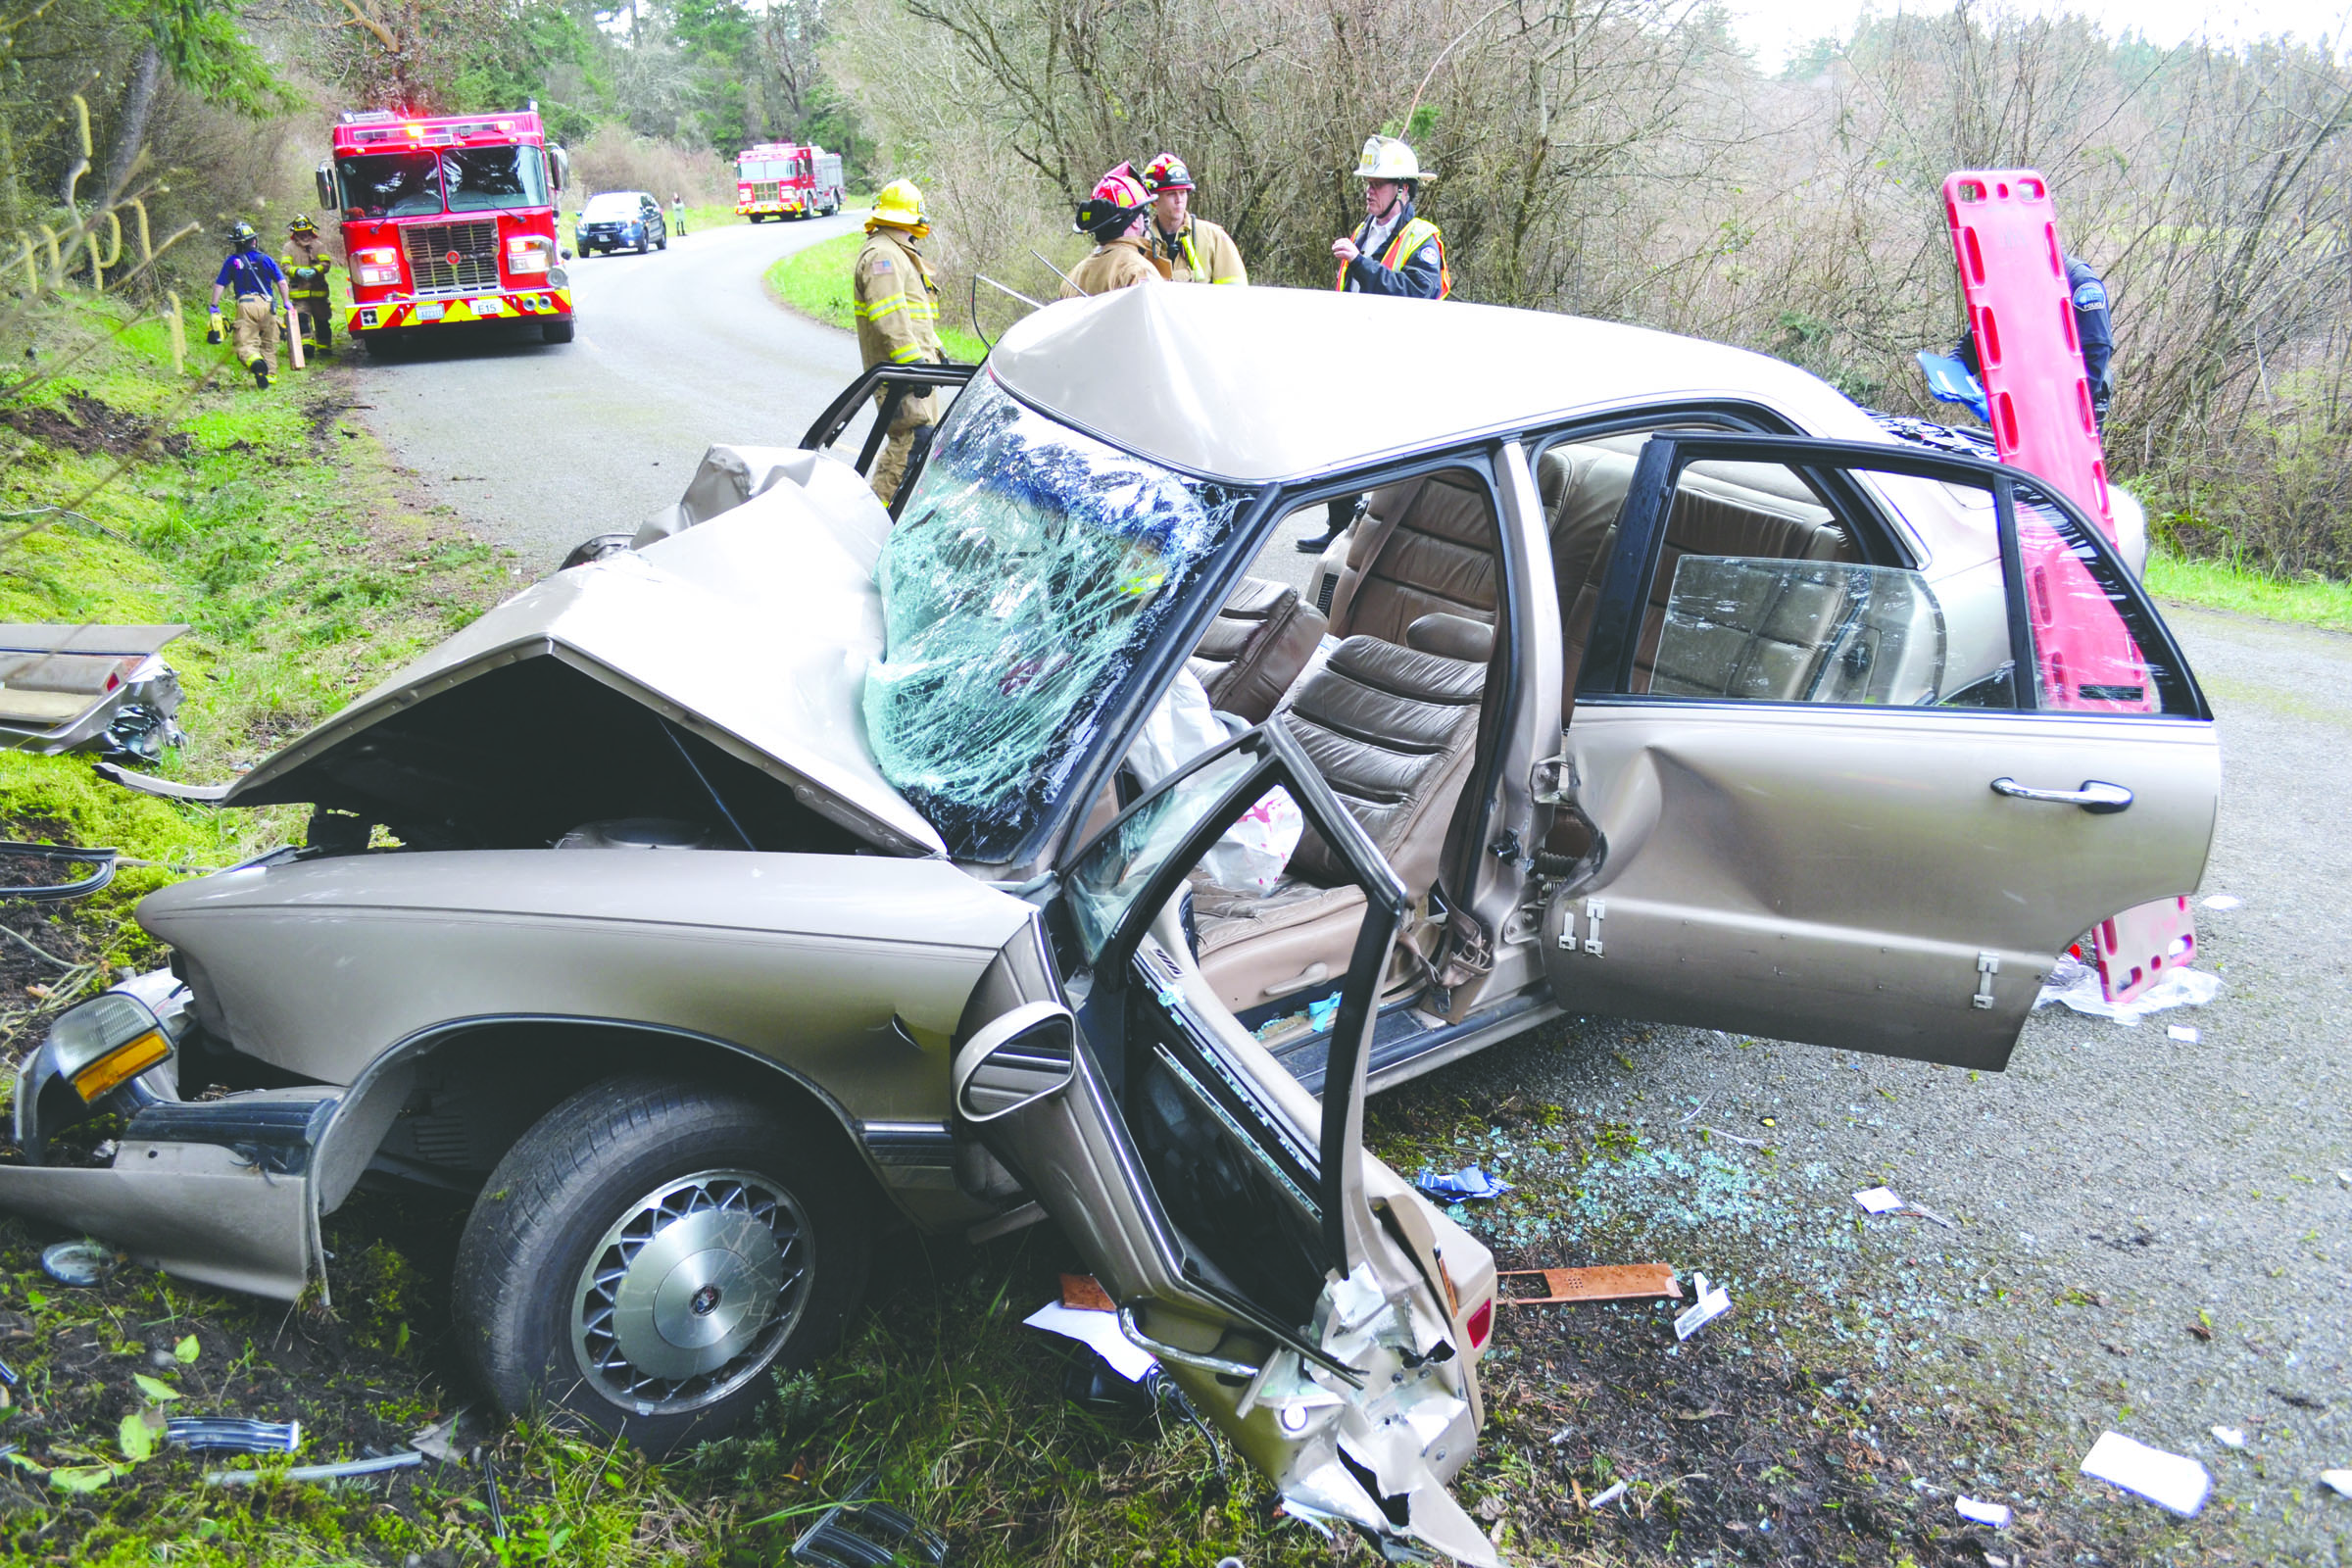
(1032, 567)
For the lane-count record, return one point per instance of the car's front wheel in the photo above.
(649, 1251)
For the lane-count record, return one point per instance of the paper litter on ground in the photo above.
(2339, 1481)
(2230, 1437)
(1100, 1332)
(1712, 1302)
(2077, 984)
(2167, 1480)
(1996, 1514)
(2183, 1033)
(1878, 1201)
(2222, 900)
(1468, 1182)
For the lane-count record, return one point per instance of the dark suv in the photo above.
(620, 220)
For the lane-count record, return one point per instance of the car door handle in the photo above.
(2098, 797)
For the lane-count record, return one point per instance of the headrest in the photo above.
(1452, 637)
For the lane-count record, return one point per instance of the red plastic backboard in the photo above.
(2013, 280)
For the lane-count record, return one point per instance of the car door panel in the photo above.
(1837, 876)
(1225, 1209)
(1785, 853)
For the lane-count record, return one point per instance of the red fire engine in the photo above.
(448, 220)
(787, 179)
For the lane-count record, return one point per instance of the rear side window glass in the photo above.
(2093, 652)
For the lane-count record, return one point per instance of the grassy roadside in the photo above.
(2218, 585)
(276, 527)
(265, 521)
(816, 281)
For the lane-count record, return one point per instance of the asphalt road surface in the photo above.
(2155, 1233)
(541, 445)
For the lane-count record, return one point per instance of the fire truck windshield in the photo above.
(391, 184)
(494, 177)
(410, 184)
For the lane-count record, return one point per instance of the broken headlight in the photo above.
(90, 1051)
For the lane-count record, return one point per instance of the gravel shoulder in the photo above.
(2152, 1232)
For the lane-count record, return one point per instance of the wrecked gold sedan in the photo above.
(1068, 846)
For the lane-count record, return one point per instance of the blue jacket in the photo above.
(250, 274)
(2093, 329)
(1419, 275)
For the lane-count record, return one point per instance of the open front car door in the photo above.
(1313, 1306)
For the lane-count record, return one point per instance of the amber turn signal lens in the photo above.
(120, 1064)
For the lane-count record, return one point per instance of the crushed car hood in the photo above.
(752, 631)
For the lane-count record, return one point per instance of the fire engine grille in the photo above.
(763, 190)
(475, 246)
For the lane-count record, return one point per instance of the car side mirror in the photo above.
(1023, 1058)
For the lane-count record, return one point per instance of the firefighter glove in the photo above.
(212, 330)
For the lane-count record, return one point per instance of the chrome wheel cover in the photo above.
(693, 1292)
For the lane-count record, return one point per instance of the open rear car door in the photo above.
(1320, 1311)
(1835, 800)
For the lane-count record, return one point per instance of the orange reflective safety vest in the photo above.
(1409, 237)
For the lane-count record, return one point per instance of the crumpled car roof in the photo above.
(1253, 384)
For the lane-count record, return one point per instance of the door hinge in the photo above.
(1551, 780)
(1596, 910)
(1988, 965)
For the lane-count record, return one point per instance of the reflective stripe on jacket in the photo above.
(897, 303)
(1413, 267)
(1202, 253)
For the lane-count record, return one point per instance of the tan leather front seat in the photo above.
(1392, 731)
(1259, 642)
(1425, 546)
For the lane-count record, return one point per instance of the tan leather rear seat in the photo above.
(1259, 642)
(1719, 509)
(1392, 731)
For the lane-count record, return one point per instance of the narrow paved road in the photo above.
(538, 445)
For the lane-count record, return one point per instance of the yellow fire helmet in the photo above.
(1388, 158)
(901, 206)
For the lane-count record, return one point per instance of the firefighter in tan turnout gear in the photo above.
(1193, 248)
(307, 264)
(898, 316)
(1116, 215)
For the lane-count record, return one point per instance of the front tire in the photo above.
(649, 1250)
